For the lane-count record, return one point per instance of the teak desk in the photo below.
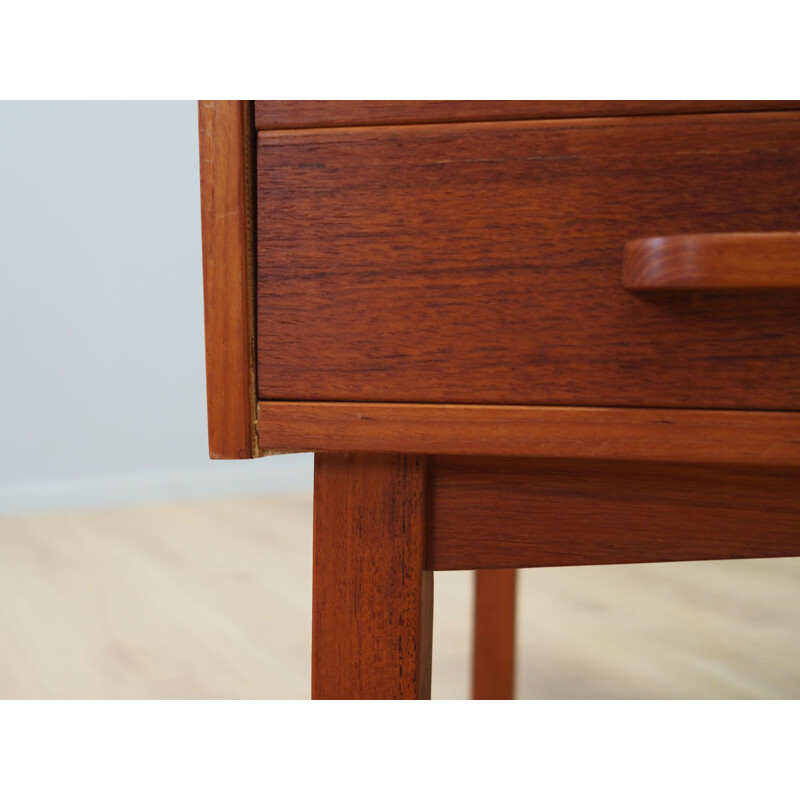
(515, 334)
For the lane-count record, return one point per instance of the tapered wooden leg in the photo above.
(373, 599)
(493, 643)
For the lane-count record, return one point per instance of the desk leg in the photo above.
(372, 619)
(493, 644)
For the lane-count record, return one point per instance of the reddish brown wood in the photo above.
(745, 437)
(373, 598)
(494, 636)
(325, 113)
(226, 134)
(480, 263)
(485, 513)
(716, 261)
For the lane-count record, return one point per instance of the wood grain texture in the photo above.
(226, 134)
(326, 113)
(480, 263)
(737, 437)
(505, 513)
(372, 597)
(493, 644)
(715, 261)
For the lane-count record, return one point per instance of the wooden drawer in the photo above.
(481, 262)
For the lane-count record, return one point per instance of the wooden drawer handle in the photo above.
(725, 261)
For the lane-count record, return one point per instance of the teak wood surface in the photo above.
(503, 513)
(457, 290)
(715, 261)
(226, 134)
(326, 113)
(493, 645)
(481, 263)
(650, 434)
(372, 598)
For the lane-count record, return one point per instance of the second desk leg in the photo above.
(494, 635)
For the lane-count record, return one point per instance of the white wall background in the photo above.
(102, 374)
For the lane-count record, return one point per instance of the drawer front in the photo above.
(481, 263)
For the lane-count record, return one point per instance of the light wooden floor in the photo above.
(212, 600)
